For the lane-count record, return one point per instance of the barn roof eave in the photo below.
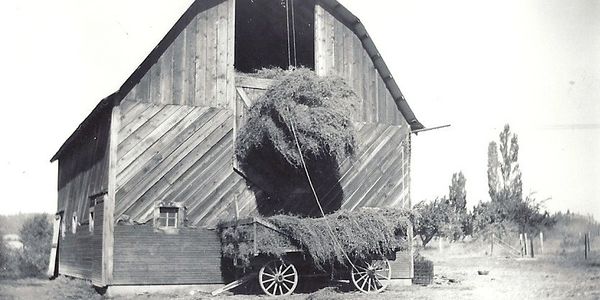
(354, 23)
(106, 103)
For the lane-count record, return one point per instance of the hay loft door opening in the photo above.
(274, 33)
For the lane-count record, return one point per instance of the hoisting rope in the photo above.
(287, 19)
(291, 42)
(334, 238)
(294, 35)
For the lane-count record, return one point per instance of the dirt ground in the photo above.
(456, 277)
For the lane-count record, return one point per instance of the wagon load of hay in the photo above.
(333, 239)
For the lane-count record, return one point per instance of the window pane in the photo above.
(162, 222)
(168, 210)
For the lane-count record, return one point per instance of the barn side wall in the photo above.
(196, 68)
(339, 51)
(176, 153)
(145, 255)
(83, 172)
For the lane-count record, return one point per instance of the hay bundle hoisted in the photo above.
(319, 108)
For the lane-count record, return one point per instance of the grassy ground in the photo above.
(547, 276)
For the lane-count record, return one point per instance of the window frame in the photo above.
(178, 218)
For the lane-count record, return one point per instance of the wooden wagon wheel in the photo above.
(278, 278)
(371, 276)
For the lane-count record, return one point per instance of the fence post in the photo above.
(589, 242)
(541, 242)
(525, 240)
(585, 246)
(492, 245)
(521, 244)
(531, 248)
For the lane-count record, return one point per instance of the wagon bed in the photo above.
(278, 274)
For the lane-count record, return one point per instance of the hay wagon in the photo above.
(261, 250)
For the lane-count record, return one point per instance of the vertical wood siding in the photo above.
(80, 254)
(338, 51)
(82, 172)
(197, 66)
(144, 255)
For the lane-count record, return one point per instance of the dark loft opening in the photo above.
(274, 33)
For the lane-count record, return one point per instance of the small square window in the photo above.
(168, 217)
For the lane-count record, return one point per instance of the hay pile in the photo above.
(320, 109)
(364, 233)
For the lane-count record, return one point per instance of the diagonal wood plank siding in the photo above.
(176, 153)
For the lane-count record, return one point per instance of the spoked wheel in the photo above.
(278, 278)
(371, 276)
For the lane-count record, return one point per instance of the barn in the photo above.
(147, 175)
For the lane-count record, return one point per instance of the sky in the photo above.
(474, 64)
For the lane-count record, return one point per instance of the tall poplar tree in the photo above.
(504, 174)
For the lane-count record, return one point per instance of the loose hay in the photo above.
(362, 234)
(320, 109)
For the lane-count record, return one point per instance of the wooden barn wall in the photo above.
(197, 67)
(83, 172)
(378, 176)
(339, 51)
(144, 255)
(176, 153)
(80, 253)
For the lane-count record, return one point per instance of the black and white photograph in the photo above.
(300, 149)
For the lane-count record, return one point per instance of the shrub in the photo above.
(9, 261)
(36, 235)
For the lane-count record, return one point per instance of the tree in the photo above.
(504, 174)
(433, 219)
(36, 235)
(446, 216)
(457, 192)
(457, 197)
(507, 208)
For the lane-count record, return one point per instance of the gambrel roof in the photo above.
(333, 6)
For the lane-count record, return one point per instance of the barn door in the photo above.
(53, 263)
